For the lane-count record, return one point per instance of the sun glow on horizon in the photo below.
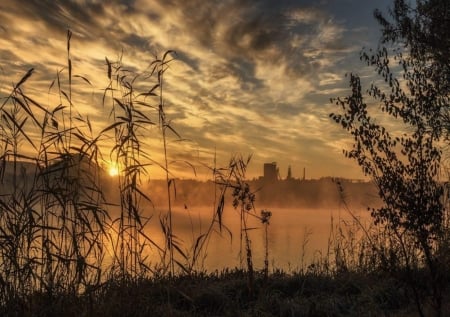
(113, 170)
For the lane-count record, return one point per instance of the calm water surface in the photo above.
(289, 231)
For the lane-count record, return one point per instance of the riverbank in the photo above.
(226, 293)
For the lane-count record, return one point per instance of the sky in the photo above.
(248, 77)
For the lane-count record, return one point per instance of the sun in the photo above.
(113, 170)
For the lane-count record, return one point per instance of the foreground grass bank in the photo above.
(227, 294)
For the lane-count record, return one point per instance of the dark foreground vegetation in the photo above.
(407, 163)
(311, 293)
(63, 252)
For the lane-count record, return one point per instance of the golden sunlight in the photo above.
(113, 170)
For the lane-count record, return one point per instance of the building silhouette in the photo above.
(270, 172)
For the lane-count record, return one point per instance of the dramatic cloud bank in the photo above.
(250, 77)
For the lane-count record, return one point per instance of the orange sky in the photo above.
(249, 77)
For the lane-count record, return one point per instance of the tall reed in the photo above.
(52, 220)
(234, 178)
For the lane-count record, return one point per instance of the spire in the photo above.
(289, 173)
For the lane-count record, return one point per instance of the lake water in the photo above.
(296, 236)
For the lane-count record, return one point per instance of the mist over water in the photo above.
(297, 236)
(305, 216)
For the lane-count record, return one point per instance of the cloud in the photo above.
(252, 76)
